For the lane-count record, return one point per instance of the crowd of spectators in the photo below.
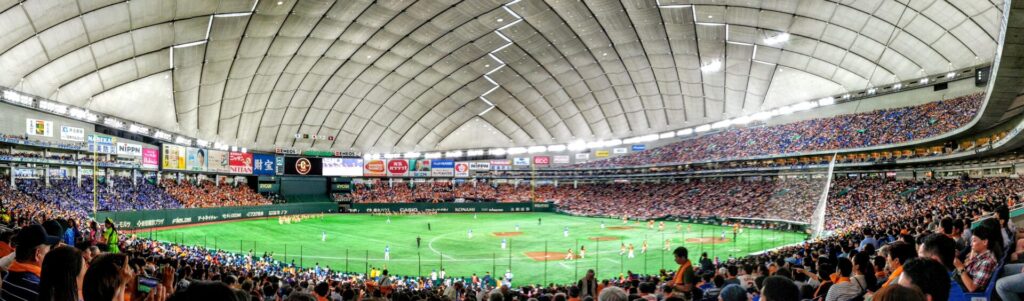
(115, 194)
(879, 127)
(405, 192)
(207, 194)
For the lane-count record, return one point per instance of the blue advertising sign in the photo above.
(639, 147)
(264, 165)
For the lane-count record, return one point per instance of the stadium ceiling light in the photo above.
(761, 116)
(453, 154)
(475, 152)
(556, 148)
(666, 135)
(391, 156)
(595, 144)
(720, 124)
(648, 138)
(703, 128)
(234, 148)
(897, 86)
(162, 135)
(872, 91)
(779, 38)
(15, 97)
(846, 96)
(631, 140)
(805, 106)
(577, 145)
(432, 155)
(613, 142)
(742, 120)
(220, 146)
(536, 149)
(114, 123)
(245, 150)
(923, 81)
(950, 75)
(138, 129)
(496, 152)
(684, 132)
(827, 101)
(183, 141)
(201, 142)
(411, 155)
(53, 107)
(516, 150)
(786, 110)
(713, 66)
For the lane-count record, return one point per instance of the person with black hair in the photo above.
(899, 253)
(22, 282)
(981, 263)
(62, 271)
(931, 277)
(684, 278)
(778, 288)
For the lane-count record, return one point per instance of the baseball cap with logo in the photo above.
(32, 236)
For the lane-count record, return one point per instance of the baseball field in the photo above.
(535, 250)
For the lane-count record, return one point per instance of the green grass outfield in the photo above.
(356, 241)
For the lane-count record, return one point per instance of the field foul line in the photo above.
(431, 246)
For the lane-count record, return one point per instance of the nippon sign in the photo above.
(129, 149)
(480, 165)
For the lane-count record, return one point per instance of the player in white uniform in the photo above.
(668, 243)
(643, 247)
(631, 254)
(622, 249)
(469, 233)
(569, 255)
(387, 253)
(723, 234)
(602, 225)
(504, 243)
(565, 231)
(323, 236)
(389, 219)
(517, 227)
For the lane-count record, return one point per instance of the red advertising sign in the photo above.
(461, 169)
(240, 162)
(398, 168)
(374, 168)
(541, 160)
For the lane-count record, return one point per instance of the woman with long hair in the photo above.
(62, 274)
(110, 237)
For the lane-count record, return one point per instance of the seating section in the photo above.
(874, 128)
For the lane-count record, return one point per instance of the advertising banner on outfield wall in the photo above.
(264, 165)
(129, 149)
(561, 159)
(240, 162)
(346, 167)
(150, 158)
(103, 144)
(442, 167)
(174, 157)
(36, 127)
(638, 147)
(197, 159)
(462, 169)
(375, 168)
(218, 161)
(601, 154)
(398, 168)
(70, 133)
(420, 168)
(521, 161)
(541, 160)
(620, 150)
(479, 166)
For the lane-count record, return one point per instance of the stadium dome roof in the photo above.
(391, 76)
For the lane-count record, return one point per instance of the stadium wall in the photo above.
(171, 217)
(14, 123)
(451, 207)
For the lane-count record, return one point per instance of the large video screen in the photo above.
(347, 167)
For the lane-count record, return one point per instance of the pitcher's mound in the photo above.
(602, 238)
(708, 240)
(620, 228)
(549, 256)
(507, 234)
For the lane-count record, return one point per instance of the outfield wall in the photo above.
(451, 207)
(170, 217)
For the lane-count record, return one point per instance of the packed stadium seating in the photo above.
(209, 195)
(880, 127)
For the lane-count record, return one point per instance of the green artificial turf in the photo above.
(356, 242)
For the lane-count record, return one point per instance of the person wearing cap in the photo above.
(31, 245)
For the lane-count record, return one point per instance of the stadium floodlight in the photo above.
(392, 156)
(475, 153)
(666, 135)
(577, 145)
(537, 149)
(183, 141)
(114, 123)
(713, 66)
(15, 97)
(611, 143)
(923, 81)
(648, 138)
(804, 106)
(496, 152)
(432, 155)
(516, 150)
(595, 144)
(827, 101)
(367, 156)
(743, 119)
(138, 129)
(220, 146)
(53, 107)
(202, 143)
(786, 110)
(684, 132)
(720, 124)
(453, 154)
(950, 75)
(556, 148)
(897, 86)
(779, 38)
(762, 116)
(245, 150)
(234, 148)
(703, 128)
(846, 96)
(162, 135)
(411, 155)
(872, 91)
(631, 140)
